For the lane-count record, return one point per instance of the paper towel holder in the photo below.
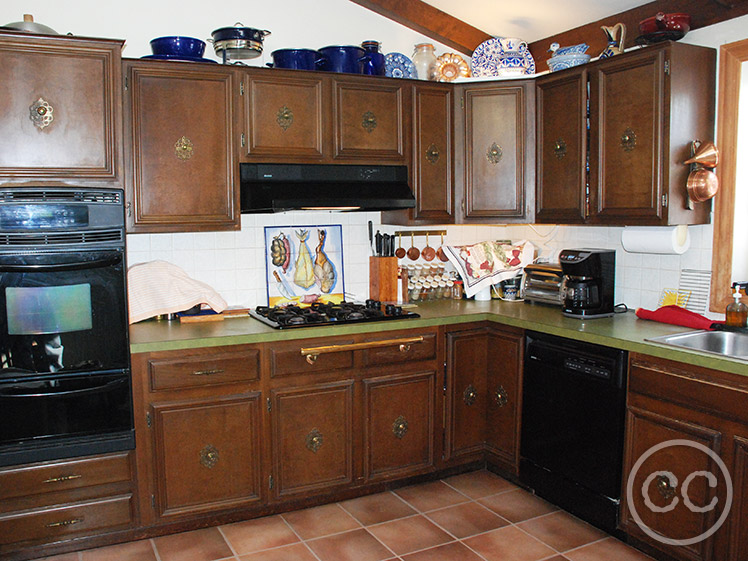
(702, 183)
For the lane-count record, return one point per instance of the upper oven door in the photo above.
(63, 311)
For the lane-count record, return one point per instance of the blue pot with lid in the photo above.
(343, 58)
(297, 59)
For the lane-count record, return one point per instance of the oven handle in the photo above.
(96, 389)
(110, 259)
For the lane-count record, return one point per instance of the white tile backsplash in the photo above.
(233, 262)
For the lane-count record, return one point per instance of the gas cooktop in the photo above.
(318, 313)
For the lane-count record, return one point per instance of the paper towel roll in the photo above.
(666, 240)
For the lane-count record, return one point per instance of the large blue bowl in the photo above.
(181, 46)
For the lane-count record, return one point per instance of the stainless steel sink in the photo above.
(723, 343)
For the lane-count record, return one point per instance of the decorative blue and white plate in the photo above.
(490, 59)
(397, 65)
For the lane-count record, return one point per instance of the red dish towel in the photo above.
(676, 315)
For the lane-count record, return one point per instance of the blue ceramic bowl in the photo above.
(181, 46)
(561, 62)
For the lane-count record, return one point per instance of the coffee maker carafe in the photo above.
(589, 282)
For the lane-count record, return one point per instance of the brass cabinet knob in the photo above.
(628, 140)
(494, 153)
(559, 148)
(400, 427)
(184, 148)
(41, 113)
(314, 440)
(470, 395)
(664, 487)
(432, 154)
(284, 118)
(209, 456)
(369, 121)
(500, 396)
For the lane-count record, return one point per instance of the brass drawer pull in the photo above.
(284, 118)
(208, 372)
(63, 523)
(62, 478)
(470, 395)
(628, 140)
(500, 396)
(183, 148)
(559, 148)
(665, 487)
(400, 427)
(432, 154)
(494, 153)
(41, 113)
(369, 121)
(209, 456)
(312, 353)
(314, 440)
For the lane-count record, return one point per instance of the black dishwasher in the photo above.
(573, 415)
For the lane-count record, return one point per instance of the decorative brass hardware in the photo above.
(494, 153)
(312, 353)
(628, 140)
(369, 121)
(183, 148)
(209, 456)
(65, 523)
(400, 427)
(432, 154)
(314, 440)
(559, 148)
(62, 478)
(500, 396)
(208, 372)
(284, 118)
(470, 395)
(664, 487)
(41, 113)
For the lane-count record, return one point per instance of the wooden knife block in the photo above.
(383, 279)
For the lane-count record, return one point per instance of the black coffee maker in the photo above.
(589, 276)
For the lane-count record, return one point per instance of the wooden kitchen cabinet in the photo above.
(65, 499)
(182, 147)
(645, 108)
(286, 116)
(704, 410)
(60, 110)
(495, 137)
(484, 368)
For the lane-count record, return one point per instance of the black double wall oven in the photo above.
(65, 387)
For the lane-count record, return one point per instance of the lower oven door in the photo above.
(64, 416)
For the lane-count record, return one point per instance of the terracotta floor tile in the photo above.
(373, 509)
(454, 551)
(518, 505)
(261, 533)
(321, 521)
(133, 551)
(201, 545)
(561, 531)
(609, 549)
(410, 534)
(479, 484)
(508, 544)
(430, 496)
(357, 545)
(295, 552)
(466, 519)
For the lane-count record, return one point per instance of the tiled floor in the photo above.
(472, 517)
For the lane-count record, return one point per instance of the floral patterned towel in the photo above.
(486, 263)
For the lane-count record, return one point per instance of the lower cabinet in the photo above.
(484, 372)
(685, 460)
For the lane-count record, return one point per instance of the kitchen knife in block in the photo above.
(383, 279)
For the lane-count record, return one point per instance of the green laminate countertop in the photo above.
(623, 331)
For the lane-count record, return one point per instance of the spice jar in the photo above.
(457, 290)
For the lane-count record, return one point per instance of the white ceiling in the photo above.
(532, 19)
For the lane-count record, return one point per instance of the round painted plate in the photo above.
(397, 65)
(489, 59)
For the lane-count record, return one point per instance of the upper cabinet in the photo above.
(631, 119)
(182, 146)
(60, 110)
(495, 137)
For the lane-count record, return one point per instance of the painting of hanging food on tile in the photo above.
(304, 264)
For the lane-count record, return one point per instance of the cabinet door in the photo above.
(60, 110)
(562, 147)
(504, 365)
(286, 117)
(182, 174)
(738, 540)
(369, 120)
(495, 151)
(206, 454)
(627, 132)
(312, 435)
(652, 482)
(399, 425)
(466, 392)
(432, 154)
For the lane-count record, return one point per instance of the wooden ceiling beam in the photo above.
(430, 21)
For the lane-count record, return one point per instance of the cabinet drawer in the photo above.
(401, 351)
(288, 360)
(61, 521)
(204, 370)
(63, 476)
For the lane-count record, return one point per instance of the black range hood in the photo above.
(279, 187)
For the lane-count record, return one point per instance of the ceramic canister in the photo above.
(374, 62)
